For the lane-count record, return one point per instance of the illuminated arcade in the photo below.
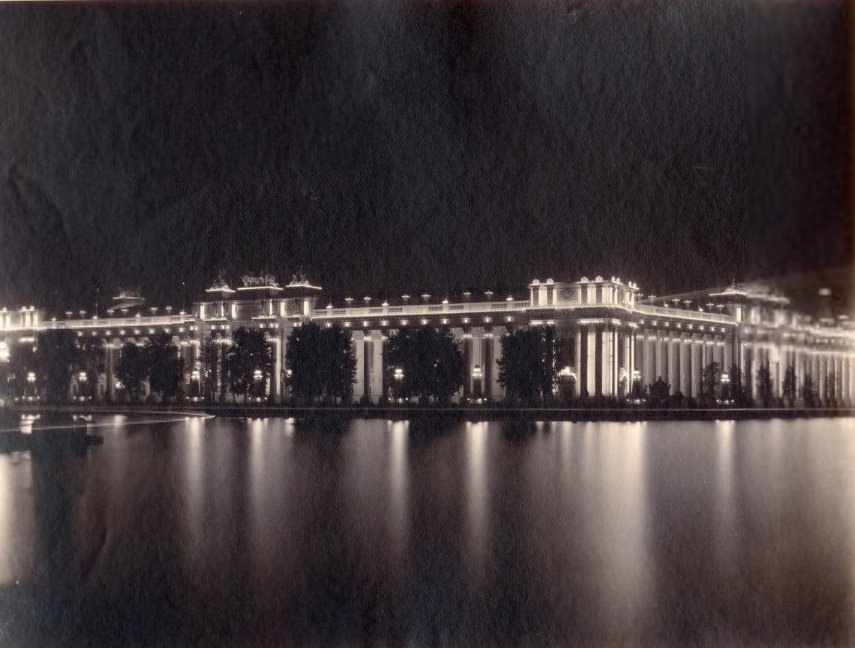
(612, 337)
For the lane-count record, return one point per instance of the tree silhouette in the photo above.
(89, 360)
(164, 365)
(132, 369)
(249, 362)
(764, 385)
(430, 360)
(213, 367)
(22, 362)
(831, 392)
(808, 391)
(789, 385)
(737, 387)
(710, 384)
(529, 364)
(321, 362)
(658, 393)
(55, 356)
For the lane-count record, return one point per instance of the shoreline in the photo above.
(466, 413)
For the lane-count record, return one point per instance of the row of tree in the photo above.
(47, 367)
(731, 390)
(157, 361)
(419, 362)
(423, 363)
(242, 366)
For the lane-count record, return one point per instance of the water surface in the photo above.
(241, 532)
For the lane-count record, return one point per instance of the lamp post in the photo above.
(195, 378)
(725, 387)
(31, 385)
(399, 378)
(257, 380)
(82, 381)
(477, 374)
(636, 380)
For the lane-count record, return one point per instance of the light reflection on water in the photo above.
(618, 524)
(477, 500)
(399, 517)
(726, 504)
(499, 533)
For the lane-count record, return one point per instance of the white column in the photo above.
(728, 355)
(798, 362)
(477, 356)
(630, 369)
(591, 362)
(851, 374)
(686, 367)
(627, 360)
(661, 369)
(776, 369)
(358, 342)
(751, 378)
(376, 365)
(606, 351)
(697, 365)
(649, 368)
(277, 367)
(847, 368)
(673, 359)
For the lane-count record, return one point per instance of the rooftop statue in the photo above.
(264, 279)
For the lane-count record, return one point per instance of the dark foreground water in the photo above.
(267, 532)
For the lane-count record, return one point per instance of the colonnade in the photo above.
(604, 358)
(679, 358)
(831, 371)
(188, 351)
(481, 347)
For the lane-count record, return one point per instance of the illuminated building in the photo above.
(611, 336)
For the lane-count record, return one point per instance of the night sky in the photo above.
(408, 147)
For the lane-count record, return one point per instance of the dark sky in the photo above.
(391, 147)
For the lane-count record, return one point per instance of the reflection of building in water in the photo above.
(610, 336)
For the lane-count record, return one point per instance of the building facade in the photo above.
(611, 338)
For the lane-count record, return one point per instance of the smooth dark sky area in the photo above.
(408, 146)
